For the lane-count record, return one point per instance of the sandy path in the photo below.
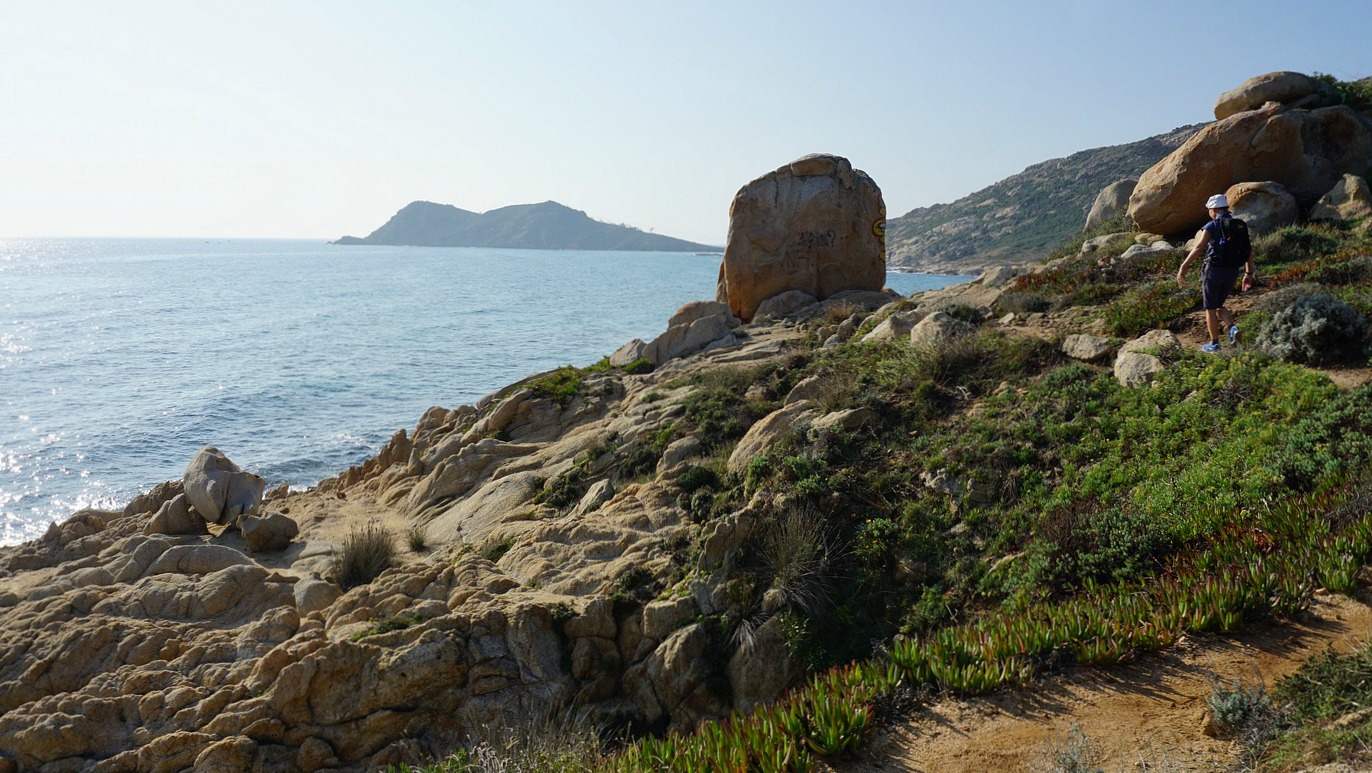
(1145, 715)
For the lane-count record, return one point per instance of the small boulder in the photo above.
(699, 310)
(1264, 206)
(678, 452)
(630, 352)
(763, 667)
(938, 328)
(769, 430)
(810, 388)
(1134, 367)
(312, 595)
(783, 304)
(850, 420)
(894, 327)
(1349, 199)
(176, 517)
(1087, 348)
(1141, 251)
(598, 494)
(268, 533)
(687, 338)
(1091, 245)
(999, 276)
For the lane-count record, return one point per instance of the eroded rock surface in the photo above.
(815, 225)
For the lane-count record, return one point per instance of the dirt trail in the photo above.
(1144, 715)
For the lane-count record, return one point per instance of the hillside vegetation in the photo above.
(1010, 512)
(1023, 217)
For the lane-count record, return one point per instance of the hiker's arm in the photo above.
(1202, 239)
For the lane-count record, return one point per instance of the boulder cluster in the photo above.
(1280, 151)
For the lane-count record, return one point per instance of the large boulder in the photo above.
(1281, 87)
(218, 490)
(1307, 151)
(1111, 201)
(815, 225)
(1264, 206)
(1349, 199)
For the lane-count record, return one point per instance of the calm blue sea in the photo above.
(120, 357)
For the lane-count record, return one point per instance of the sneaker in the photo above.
(1211, 348)
(1233, 335)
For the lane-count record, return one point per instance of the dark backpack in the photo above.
(1232, 245)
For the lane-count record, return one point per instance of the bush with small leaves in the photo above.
(1315, 329)
(1234, 708)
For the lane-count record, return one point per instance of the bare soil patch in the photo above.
(1144, 715)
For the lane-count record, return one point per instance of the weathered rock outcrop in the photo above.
(1306, 151)
(815, 225)
(1349, 199)
(131, 649)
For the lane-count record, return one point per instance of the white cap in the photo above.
(1218, 201)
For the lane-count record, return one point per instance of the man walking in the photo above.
(1224, 241)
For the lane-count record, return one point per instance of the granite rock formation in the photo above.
(815, 225)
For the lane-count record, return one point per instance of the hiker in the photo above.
(1224, 240)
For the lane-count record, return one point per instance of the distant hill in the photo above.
(546, 226)
(1023, 217)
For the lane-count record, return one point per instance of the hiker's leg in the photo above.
(1212, 323)
(1227, 317)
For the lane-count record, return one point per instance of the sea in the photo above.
(119, 358)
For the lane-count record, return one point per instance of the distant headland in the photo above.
(546, 226)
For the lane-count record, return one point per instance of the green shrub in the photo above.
(366, 553)
(1152, 305)
(1024, 302)
(1355, 94)
(1315, 329)
(494, 550)
(1294, 244)
(697, 477)
(637, 367)
(561, 385)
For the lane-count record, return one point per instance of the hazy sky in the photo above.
(316, 119)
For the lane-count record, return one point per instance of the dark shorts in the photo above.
(1216, 284)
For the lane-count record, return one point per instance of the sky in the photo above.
(296, 119)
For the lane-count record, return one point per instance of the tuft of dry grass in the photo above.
(366, 553)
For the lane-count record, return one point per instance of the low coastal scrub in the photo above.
(1003, 513)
